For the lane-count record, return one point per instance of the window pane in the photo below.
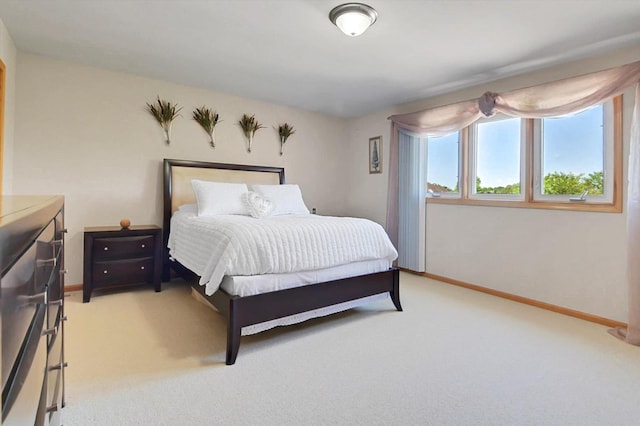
(498, 157)
(573, 153)
(442, 163)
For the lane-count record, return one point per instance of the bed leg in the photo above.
(166, 271)
(233, 334)
(395, 293)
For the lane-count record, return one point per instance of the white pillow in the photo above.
(215, 198)
(258, 205)
(287, 198)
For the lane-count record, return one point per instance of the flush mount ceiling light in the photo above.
(353, 18)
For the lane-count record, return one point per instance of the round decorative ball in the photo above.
(125, 223)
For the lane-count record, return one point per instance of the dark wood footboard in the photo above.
(244, 311)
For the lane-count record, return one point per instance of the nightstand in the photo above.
(114, 256)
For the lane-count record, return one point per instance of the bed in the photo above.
(302, 297)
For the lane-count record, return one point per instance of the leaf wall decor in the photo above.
(208, 119)
(164, 112)
(284, 131)
(249, 126)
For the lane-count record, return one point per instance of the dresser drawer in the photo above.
(127, 271)
(54, 314)
(23, 291)
(123, 247)
(55, 364)
(23, 394)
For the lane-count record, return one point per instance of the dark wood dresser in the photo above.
(115, 256)
(32, 304)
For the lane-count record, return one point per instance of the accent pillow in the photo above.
(258, 206)
(287, 198)
(215, 198)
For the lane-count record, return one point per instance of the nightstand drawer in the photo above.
(123, 247)
(123, 271)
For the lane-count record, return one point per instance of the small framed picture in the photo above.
(375, 154)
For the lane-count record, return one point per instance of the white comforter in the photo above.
(213, 247)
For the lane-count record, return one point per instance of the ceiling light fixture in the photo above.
(353, 18)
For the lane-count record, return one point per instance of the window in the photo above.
(574, 156)
(572, 162)
(496, 148)
(443, 166)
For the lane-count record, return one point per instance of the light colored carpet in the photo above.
(453, 357)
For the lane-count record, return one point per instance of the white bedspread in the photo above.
(213, 247)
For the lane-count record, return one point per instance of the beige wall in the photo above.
(8, 56)
(83, 132)
(571, 259)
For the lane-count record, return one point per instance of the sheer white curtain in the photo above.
(412, 160)
(632, 333)
(548, 100)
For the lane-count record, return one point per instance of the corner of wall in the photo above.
(8, 55)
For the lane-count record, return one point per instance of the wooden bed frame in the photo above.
(244, 311)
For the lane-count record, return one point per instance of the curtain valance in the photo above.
(546, 100)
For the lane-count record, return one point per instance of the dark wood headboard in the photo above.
(177, 187)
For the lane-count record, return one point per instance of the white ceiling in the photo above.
(288, 52)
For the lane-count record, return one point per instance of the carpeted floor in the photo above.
(453, 357)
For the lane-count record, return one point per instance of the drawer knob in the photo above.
(142, 267)
(143, 246)
(44, 262)
(106, 249)
(105, 271)
(50, 331)
(58, 366)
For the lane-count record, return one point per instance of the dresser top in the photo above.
(22, 218)
(14, 207)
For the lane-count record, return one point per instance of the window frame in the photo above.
(615, 206)
(608, 163)
(448, 195)
(473, 172)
